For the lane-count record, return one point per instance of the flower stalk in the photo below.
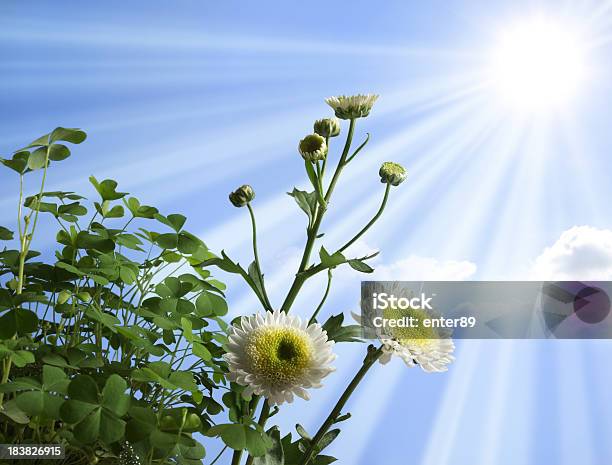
(256, 257)
(300, 278)
(263, 418)
(371, 222)
(313, 318)
(371, 357)
(312, 233)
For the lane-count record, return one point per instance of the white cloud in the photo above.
(418, 268)
(411, 268)
(580, 253)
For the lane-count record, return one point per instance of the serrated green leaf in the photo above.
(331, 261)
(338, 333)
(275, 454)
(360, 266)
(307, 201)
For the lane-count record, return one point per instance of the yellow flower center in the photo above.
(418, 335)
(279, 354)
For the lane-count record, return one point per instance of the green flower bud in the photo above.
(313, 148)
(352, 107)
(327, 127)
(241, 196)
(392, 173)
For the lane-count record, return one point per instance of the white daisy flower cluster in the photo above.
(278, 356)
(353, 106)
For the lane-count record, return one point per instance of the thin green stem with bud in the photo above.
(371, 357)
(312, 233)
(218, 456)
(363, 144)
(313, 318)
(299, 280)
(256, 256)
(371, 222)
(304, 272)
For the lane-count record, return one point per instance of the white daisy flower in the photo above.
(429, 348)
(353, 106)
(278, 356)
(430, 354)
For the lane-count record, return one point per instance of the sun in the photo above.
(538, 64)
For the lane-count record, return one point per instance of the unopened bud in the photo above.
(392, 173)
(327, 127)
(241, 196)
(313, 148)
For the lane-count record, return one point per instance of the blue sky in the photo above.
(184, 101)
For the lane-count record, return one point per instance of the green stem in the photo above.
(371, 222)
(257, 262)
(312, 233)
(299, 280)
(263, 418)
(218, 456)
(19, 207)
(313, 318)
(23, 252)
(363, 144)
(372, 356)
(325, 159)
(40, 195)
(342, 162)
(237, 457)
(300, 277)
